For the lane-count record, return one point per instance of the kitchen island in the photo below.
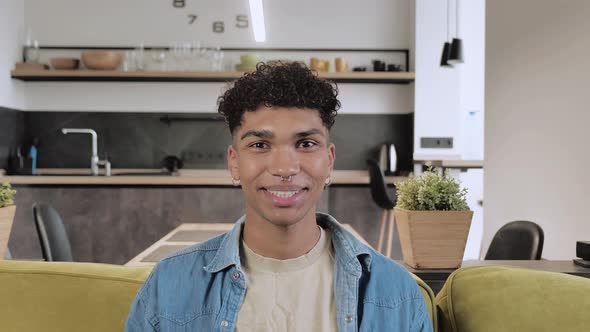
(112, 219)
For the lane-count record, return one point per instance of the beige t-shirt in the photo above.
(293, 295)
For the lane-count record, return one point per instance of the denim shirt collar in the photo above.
(350, 252)
(228, 253)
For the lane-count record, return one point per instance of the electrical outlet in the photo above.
(436, 142)
(202, 156)
(187, 156)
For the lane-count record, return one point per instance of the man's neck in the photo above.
(280, 242)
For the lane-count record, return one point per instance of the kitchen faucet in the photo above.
(94, 161)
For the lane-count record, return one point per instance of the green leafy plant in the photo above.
(431, 192)
(6, 194)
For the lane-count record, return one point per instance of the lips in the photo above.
(284, 196)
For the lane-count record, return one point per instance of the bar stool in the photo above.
(384, 201)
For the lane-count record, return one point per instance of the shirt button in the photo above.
(236, 275)
(349, 319)
(224, 323)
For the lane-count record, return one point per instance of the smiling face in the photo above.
(275, 142)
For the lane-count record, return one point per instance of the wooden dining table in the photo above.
(188, 234)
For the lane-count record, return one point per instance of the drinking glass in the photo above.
(32, 52)
(159, 58)
(139, 57)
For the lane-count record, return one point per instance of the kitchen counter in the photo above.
(188, 177)
(112, 219)
(453, 161)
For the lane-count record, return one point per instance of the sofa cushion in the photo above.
(65, 296)
(428, 295)
(499, 298)
(59, 296)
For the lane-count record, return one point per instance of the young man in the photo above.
(283, 267)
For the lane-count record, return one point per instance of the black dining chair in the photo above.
(517, 240)
(384, 201)
(53, 238)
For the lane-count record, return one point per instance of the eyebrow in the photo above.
(258, 133)
(267, 134)
(310, 132)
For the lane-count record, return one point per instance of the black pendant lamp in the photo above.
(456, 52)
(446, 53)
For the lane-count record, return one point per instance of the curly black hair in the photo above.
(279, 84)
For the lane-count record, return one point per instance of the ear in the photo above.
(232, 162)
(331, 155)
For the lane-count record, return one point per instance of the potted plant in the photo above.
(7, 211)
(433, 220)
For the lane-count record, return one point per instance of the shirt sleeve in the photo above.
(138, 320)
(422, 322)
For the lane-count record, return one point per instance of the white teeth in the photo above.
(283, 194)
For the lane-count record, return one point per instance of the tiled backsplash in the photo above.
(141, 140)
(12, 133)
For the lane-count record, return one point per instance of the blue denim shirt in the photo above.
(201, 288)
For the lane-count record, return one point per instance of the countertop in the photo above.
(452, 161)
(194, 177)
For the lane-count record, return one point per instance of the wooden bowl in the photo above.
(101, 60)
(64, 63)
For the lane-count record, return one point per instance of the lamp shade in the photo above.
(456, 52)
(444, 59)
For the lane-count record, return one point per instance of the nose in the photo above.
(284, 162)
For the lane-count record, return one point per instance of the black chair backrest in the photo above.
(378, 186)
(53, 238)
(517, 240)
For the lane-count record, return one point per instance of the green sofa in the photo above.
(64, 297)
(89, 297)
(500, 298)
(429, 299)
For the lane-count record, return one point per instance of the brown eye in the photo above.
(258, 145)
(307, 144)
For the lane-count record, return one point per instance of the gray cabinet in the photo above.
(109, 224)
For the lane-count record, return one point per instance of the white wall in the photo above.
(472, 78)
(191, 97)
(473, 180)
(436, 88)
(537, 119)
(304, 24)
(11, 36)
(444, 95)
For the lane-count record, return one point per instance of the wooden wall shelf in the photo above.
(193, 76)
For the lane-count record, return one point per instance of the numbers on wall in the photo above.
(178, 3)
(218, 27)
(242, 21)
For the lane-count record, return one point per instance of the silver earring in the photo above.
(328, 181)
(235, 182)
